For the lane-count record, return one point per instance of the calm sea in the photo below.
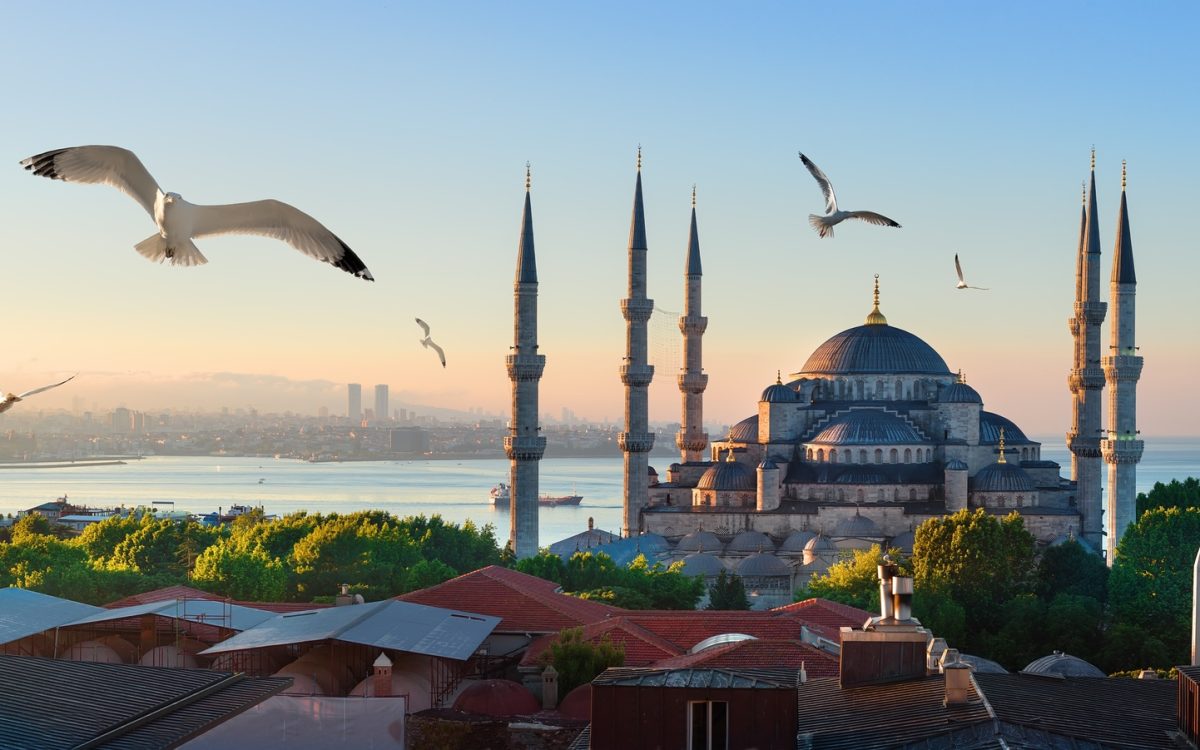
(458, 490)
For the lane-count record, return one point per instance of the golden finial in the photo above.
(693, 195)
(961, 378)
(639, 157)
(778, 377)
(528, 177)
(729, 455)
(1001, 459)
(1093, 158)
(1122, 175)
(875, 318)
(1083, 186)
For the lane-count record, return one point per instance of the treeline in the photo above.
(980, 584)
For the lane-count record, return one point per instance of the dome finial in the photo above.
(1001, 460)
(961, 377)
(875, 318)
(778, 377)
(1083, 185)
(1122, 175)
(639, 163)
(528, 177)
(693, 195)
(1093, 158)
(729, 455)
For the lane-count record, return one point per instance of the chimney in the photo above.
(886, 572)
(933, 654)
(590, 523)
(902, 594)
(891, 647)
(803, 674)
(343, 596)
(958, 679)
(549, 687)
(381, 680)
(1147, 674)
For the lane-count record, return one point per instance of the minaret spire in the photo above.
(637, 440)
(692, 440)
(1086, 380)
(1122, 449)
(524, 444)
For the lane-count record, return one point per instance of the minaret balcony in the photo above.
(637, 376)
(524, 447)
(1092, 312)
(1084, 447)
(1122, 449)
(1073, 326)
(634, 442)
(693, 382)
(693, 442)
(693, 325)
(637, 309)
(525, 366)
(1123, 368)
(1087, 378)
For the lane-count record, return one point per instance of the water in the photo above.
(458, 490)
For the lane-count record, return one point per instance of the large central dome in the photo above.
(875, 348)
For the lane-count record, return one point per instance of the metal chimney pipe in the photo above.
(887, 572)
(902, 594)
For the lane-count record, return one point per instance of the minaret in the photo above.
(692, 440)
(1087, 378)
(1122, 367)
(637, 440)
(524, 445)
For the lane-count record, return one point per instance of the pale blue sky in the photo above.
(405, 129)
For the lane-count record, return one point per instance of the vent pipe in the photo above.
(902, 595)
(958, 679)
(887, 572)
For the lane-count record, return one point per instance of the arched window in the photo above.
(896, 494)
(908, 455)
(1020, 501)
(912, 493)
(893, 455)
(880, 496)
(899, 389)
(878, 389)
(821, 455)
(862, 456)
(833, 456)
(1024, 454)
(861, 389)
(809, 454)
(841, 494)
(1001, 501)
(859, 495)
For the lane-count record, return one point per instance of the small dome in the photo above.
(168, 656)
(959, 393)
(1063, 665)
(650, 470)
(980, 664)
(745, 431)
(955, 465)
(728, 476)
(577, 704)
(904, 541)
(496, 698)
(702, 564)
(700, 541)
(759, 565)
(778, 393)
(416, 687)
(856, 525)
(820, 544)
(650, 542)
(768, 464)
(867, 427)
(989, 429)
(1004, 477)
(796, 541)
(751, 541)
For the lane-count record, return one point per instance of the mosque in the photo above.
(872, 436)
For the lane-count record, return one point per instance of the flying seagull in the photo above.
(12, 398)
(179, 221)
(428, 342)
(962, 284)
(824, 224)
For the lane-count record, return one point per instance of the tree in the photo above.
(426, 573)
(242, 572)
(364, 550)
(854, 580)
(578, 661)
(1074, 625)
(1185, 494)
(1020, 638)
(463, 548)
(728, 592)
(545, 565)
(1068, 568)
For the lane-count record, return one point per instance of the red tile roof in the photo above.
(524, 603)
(686, 628)
(756, 654)
(833, 615)
(642, 647)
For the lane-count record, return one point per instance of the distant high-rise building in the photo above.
(404, 415)
(354, 409)
(122, 420)
(381, 402)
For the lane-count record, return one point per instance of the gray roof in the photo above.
(779, 393)
(626, 550)
(796, 541)
(526, 260)
(856, 525)
(989, 430)
(51, 704)
(393, 624)
(587, 539)
(24, 613)
(206, 611)
(702, 564)
(1000, 477)
(745, 431)
(750, 541)
(728, 476)
(1063, 665)
(760, 564)
(820, 543)
(960, 393)
(637, 227)
(867, 427)
(1123, 272)
(875, 349)
(699, 678)
(955, 465)
(700, 541)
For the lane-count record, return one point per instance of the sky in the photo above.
(405, 128)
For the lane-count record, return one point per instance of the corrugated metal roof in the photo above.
(206, 611)
(24, 613)
(90, 700)
(770, 679)
(403, 626)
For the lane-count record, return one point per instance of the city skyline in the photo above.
(415, 156)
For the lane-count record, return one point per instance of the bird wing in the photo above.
(438, 349)
(45, 387)
(108, 165)
(872, 218)
(823, 181)
(958, 267)
(424, 326)
(278, 220)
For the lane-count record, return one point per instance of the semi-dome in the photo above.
(759, 565)
(745, 431)
(955, 465)
(496, 698)
(989, 429)
(875, 349)
(1004, 477)
(796, 541)
(960, 393)
(1063, 665)
(728, 476)
(982, 665)
(751, 541)
(702, 564)
(856, 525)
(867, 427)
(778, 393)
(700, 541)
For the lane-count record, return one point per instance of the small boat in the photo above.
(501, 498)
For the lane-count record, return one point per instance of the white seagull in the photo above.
(428, 342)
(12, 398)
(824, 224)
(179, 221)
(962, 284)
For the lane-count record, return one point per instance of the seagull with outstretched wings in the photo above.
(962, 284)
(834, 216)
(179, 222)
(428, 342)
(12, 398)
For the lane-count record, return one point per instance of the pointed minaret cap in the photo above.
(1123, 272)
(637, 229)
(875, 318)
(526, 261)
(693, 259)
(1092, 241)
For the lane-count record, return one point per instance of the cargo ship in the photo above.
(500, 498)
